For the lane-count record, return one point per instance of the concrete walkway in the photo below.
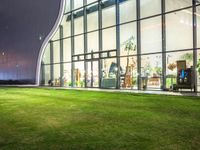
(158, 92)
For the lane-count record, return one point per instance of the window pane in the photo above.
(151, 38)
(198, 26)
(127, 11)
(78, 4)
(67, 75)
(91, 1)
(92, 18)
(79, 44)
(128, 75)
(171, 61)
(151, 71)
(108, 16)
(56, 36)
(150, 7)
(46, 74)
(79, 74)
(78, 25)
(67, 6)
(67, 50)
(93, 42)
(46, 56)
(179, 30)
(56, 74)
(177, 4)
(109, 39)
(66, 26)
(56, 51)
(128, 36)
(109, 72)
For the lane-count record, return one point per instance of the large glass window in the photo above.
(79, 44)
(67, 75)
(93, 41)
(128, 72)
(78, 4)
(56, 52)
(91, 1)
(108, 16)
(79, 74)
(177, 4)
(46, 74)
(128, 39)
(66, 22)
(171, 68)
(56, 36)
(109, 72)
(151, 71)
(127, 11)
(151, 38)
(78, 24)
(198, 69)
(57, 77)
(92, 18)
(46, 56)
(179, 30)
(67, 6)
(109, 39)
(150, 7)
(67, 50)
(198, 26)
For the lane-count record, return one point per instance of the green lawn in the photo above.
(82, 120)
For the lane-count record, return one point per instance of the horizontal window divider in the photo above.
(57, 63)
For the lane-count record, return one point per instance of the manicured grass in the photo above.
(82, 120)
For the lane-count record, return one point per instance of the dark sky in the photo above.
(21, 24)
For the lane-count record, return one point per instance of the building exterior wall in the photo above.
(126, 44)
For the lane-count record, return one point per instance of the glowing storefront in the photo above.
(127, 44)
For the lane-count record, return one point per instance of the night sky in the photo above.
(22, 22)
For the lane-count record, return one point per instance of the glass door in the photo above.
(92, 73)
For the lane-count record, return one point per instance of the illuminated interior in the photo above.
(125, 44)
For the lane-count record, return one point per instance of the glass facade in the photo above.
(126, 44)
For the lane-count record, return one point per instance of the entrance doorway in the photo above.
(92, 74)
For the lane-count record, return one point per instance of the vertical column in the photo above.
(118, 42)
(72, 43)
(100, 39)
(163, 45)
(61, 57)
(138, 45)
(194, 44)
(85, 39)
(51, 61)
